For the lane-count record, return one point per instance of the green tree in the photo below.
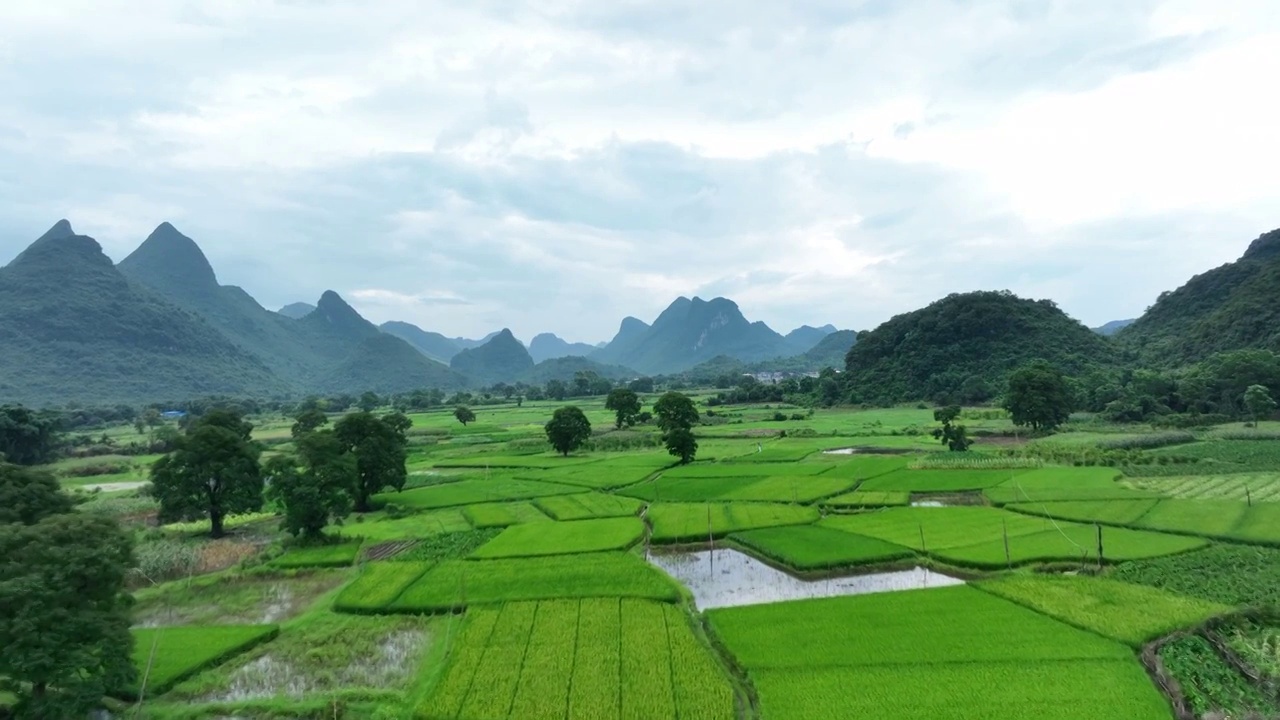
(1038, 396)
(677, 415)
(318, 491)
(955, 437)
(1259, 403)
(152, 417)
(626, 406)
(26, 437)
(464, 414)
(380, 448)
(675, 410)
(307, 421)
(213, 472)
(681, 443)
(556, 390)
(27, 495)
(369, 401)
(65, 623)
(568, 429)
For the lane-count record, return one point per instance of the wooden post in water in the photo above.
(924, 550)
(1008, 559)
(711, 538)
(1099, 528)
(1248, 496)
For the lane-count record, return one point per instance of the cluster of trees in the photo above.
(27, 437)
(569, 428)
(64, 624)
(825, 390)
(215, 469)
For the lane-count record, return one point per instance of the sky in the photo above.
(553, 166)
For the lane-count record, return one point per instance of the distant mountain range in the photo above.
(158, 326)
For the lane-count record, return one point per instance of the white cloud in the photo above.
(559, 164)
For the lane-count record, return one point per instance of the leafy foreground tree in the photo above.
(1038, 396)
(464, 415)
(955, 437)
(213, 472)
(318, 491)
(626, 406)
(568, 429)
(28, 495)
(1259, 403)
(26, 437)
(308, 421)
(379, 445)
(676, 416)
(64, 628)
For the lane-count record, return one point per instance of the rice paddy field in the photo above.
(506, 581)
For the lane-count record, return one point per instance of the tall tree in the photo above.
(955, 437)
(213, 472)
(1038, 396)
(26, 437)
(556, 389)
(674, 410)
(626, 406)
(65, 624)
(677, 415)
(464, 414)
(379, 446)
(318, 491)
(568, 429)
(28, 495)
(1259, 403)
(369, 401)
(307, 421)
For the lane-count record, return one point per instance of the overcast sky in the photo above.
(554, 166)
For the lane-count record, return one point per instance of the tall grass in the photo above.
(1148, 442)
(966, 461)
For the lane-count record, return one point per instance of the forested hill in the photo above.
(961, 348)
(502, 359)
(1232, 307)
(74, 328)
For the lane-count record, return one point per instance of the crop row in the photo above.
(471, 492)
(378, 585)
(502, 514)
(586, 506)
(165, 656)
(1209, 684)
(811, 547)
(602, 658)
(1255, 487)
(687, 522)
(333, 555)
(952, 652)
(563, 538)
(1231, 574)
(1224, 519)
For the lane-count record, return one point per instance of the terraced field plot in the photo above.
(677, 522)
(931, 654)
(165, 656)
(1132, 614)
(333, 555)
(936, 480)
(605, 658)
(470, 492)
(1054, 484)
(502, 514)
(1260, 487)
(869, 498)
(584, 506)
(811, 547)
(457, 584)
(560, 538)
(769, 488)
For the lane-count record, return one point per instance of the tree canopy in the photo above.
(27, 495)
(379, 445)
(626, 406)
(568, 429)
(677, 415)
(26, 436)
(1038, 396)
(213, 472)
(464, 414)
(318, 491)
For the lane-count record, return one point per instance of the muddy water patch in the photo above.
(728, 578)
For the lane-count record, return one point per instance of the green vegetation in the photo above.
(1256, 642)
(936, 480)
(1038, 397)
(332, 555)
(1228, 574)
(1208, 683)
(213, 472)
(961, 349)
(502, 514)
(563, 538)
(165, 656)
(676, 522)
(809, 547)
(457, 584)
(869, 498)
(921, 654)
(468, 492)
(584, 506)
(1132, 614)
(378, 585)
(568, 429)
(503, 357)
(561, 658)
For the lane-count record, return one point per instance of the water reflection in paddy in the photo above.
(728, 578)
